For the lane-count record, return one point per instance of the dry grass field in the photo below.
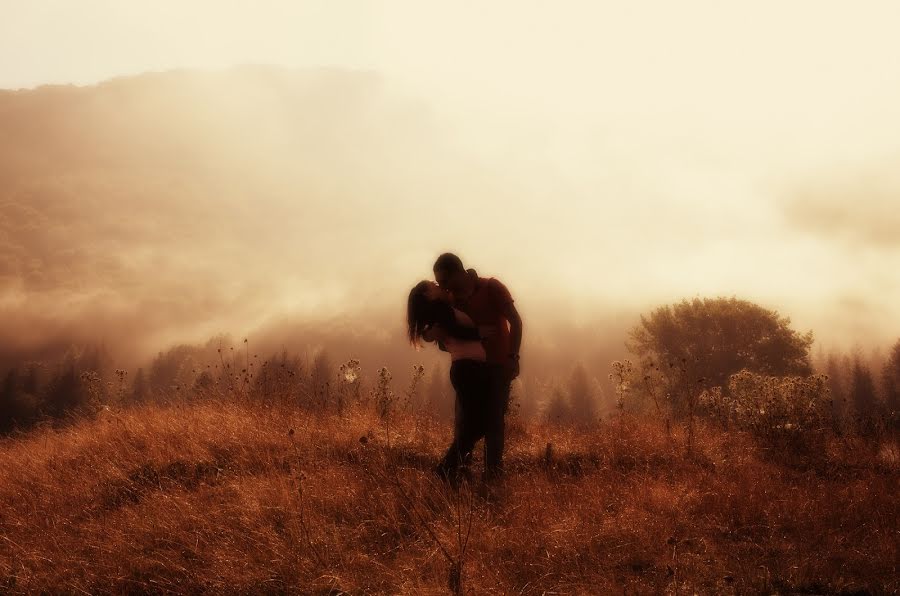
(248, 251)
(221, 497)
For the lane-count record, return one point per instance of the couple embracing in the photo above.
(475, 320)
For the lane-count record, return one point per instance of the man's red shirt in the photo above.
(486, 306)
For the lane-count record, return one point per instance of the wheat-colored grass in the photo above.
(221, 497)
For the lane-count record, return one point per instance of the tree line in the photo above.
(682, 350)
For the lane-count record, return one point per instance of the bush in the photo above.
(788, 415)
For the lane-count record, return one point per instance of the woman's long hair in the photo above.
(422, 311)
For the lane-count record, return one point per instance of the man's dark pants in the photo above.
(484, 419)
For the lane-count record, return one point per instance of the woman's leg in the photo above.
(466, 376)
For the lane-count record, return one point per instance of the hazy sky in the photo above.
(669, 149)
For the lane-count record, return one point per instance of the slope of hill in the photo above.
(220, 497)
(171, 206)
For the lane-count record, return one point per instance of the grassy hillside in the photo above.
(220, 496)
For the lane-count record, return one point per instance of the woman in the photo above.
(431, 317)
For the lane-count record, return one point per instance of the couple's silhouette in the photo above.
(475, 320)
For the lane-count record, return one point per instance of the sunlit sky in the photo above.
(670, 149)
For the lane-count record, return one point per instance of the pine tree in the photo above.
(9, 410)
(558, 409)
(581, 396)
(139, 387)
(891, 380)
(321, 378)
(440, 398)
(65, 394)
(30, 383)
(862, 389)
(837, 384)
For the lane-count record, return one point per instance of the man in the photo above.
(490, 306)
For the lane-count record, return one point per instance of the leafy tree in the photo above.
(701, 342)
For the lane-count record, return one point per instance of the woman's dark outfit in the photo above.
(471, 380)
